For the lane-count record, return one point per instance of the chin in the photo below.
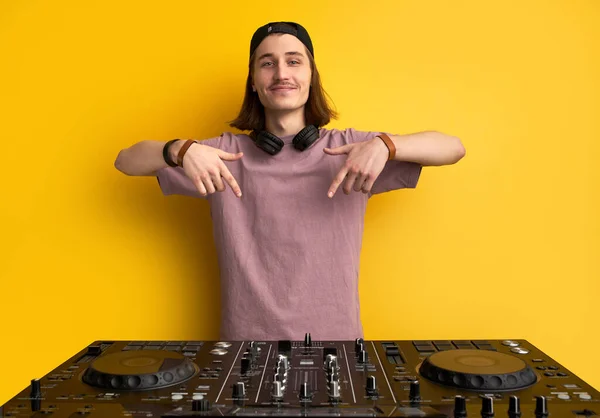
(285, 108)
(285, 105)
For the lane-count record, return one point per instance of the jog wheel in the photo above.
(478, 370)
(139, 370)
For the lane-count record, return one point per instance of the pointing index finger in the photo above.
(337, 181)
(228, 177)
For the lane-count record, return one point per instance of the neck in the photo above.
(284, 123)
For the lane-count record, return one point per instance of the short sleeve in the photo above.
(396, 174)
(174, 181)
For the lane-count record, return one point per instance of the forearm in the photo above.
(144, 158)
(428, 148)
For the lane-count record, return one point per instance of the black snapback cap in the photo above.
(278, 27)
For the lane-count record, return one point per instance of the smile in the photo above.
(287, 88)
(282, 92)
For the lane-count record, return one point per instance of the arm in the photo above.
(145, 157)
(429, 148)
(203, 165)
(366, 159)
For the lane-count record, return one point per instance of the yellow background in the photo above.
(504, 244)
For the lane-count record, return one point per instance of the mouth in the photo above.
(282, 88)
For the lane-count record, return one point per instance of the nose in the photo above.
(281, 73)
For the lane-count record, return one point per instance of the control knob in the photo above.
(460, 407)
(415, 391)
(245, 365)
(36, 389)
(307, 340)
(487, 407)
(358, 344)
(36, 405)
(541, 407)
(371, 386)
(514, 407)
(239, 390)
(363, 357)
(304, 392)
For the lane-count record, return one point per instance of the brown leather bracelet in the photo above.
(389, 144)
(183, 150)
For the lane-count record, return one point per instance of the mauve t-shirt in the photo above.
(289, 255)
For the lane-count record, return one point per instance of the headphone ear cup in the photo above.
(306, 137)
(268, 142)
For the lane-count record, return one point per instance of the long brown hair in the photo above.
(317, 109)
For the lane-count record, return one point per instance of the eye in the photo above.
(264, 64)
(295, 62)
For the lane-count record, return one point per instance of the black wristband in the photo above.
(166, 156)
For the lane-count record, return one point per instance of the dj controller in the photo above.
(360, 378)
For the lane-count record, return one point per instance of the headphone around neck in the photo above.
(272, 144)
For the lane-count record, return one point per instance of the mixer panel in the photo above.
(450, 378)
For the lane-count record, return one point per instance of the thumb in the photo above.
(227, 156)
(339, 150)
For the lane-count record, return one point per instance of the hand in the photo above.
(365, 162)
(204, 166)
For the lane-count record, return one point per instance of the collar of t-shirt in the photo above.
(287, 139)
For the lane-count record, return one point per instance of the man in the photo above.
(288, 242)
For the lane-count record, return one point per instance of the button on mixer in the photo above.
(585, 413)
(221, 344)
(425, 348)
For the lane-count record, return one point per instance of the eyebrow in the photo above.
(270, 55)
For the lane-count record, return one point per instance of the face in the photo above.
(281, 72)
